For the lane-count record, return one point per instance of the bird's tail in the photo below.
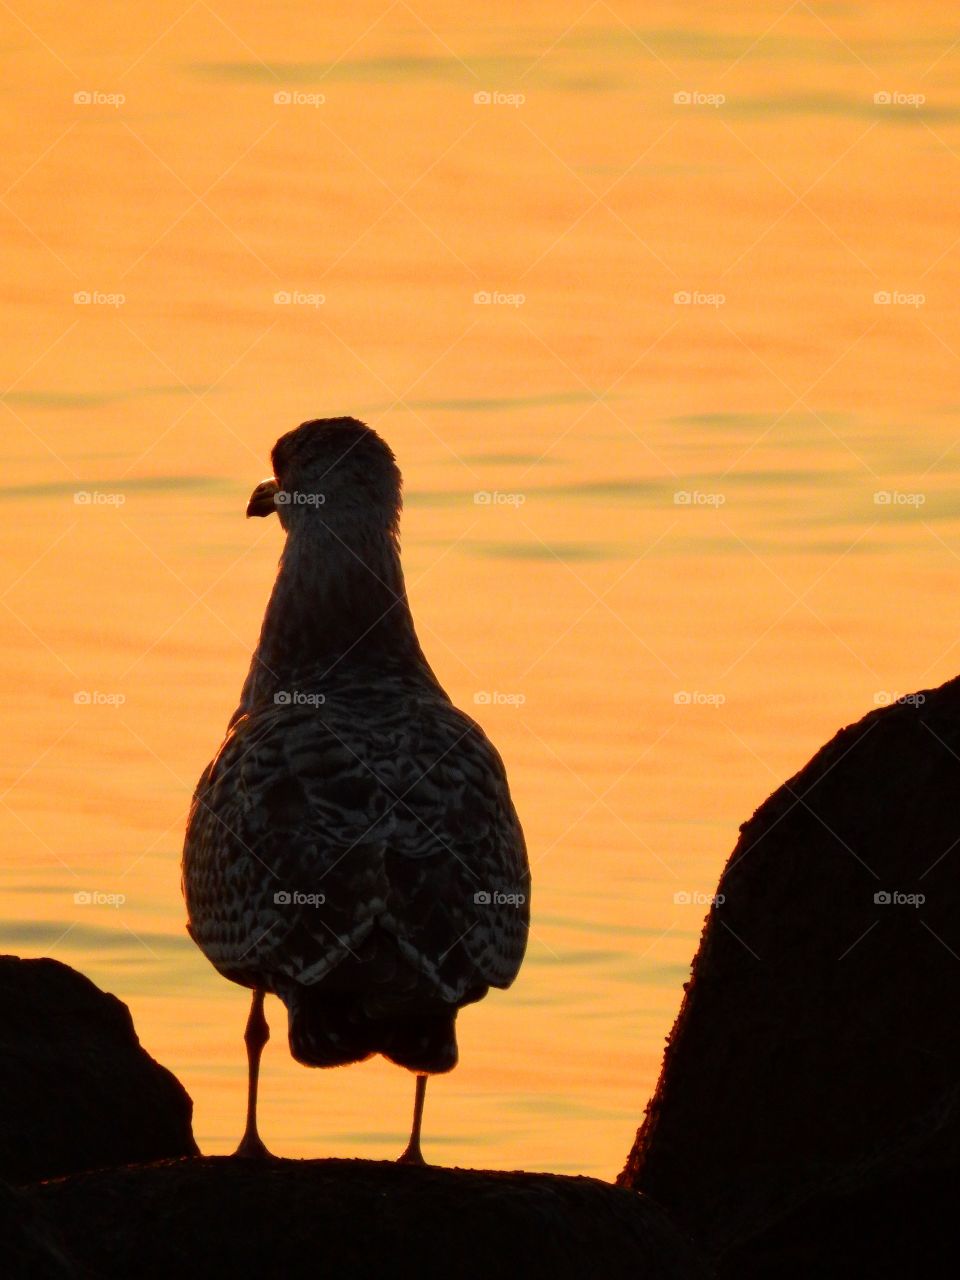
(330, 1030)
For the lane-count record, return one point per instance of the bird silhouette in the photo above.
(352, 848)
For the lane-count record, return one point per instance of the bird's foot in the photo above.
(251, 1148)
(412, 1155)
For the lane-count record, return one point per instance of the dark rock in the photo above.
(361, 1219)
(811, 1079)
(77, 1091)
(898, 1227)
(30, 1247)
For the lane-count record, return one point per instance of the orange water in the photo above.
(798, 600)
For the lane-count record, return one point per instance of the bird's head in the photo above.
(334, 470)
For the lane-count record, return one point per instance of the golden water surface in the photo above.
(658, 306)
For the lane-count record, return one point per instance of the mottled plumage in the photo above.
(353, 847)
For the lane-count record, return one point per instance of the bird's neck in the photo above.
(338, 608)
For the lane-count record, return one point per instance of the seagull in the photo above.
(352, 848)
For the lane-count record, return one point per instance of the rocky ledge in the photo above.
(218, 1216)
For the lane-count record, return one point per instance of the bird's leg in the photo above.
(413, 1154)
(256, 1036)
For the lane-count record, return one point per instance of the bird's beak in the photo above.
(263, 499)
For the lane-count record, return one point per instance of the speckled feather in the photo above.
(353, 847)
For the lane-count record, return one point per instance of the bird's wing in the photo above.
(457, 863)
(307, 831)
(285, 816)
